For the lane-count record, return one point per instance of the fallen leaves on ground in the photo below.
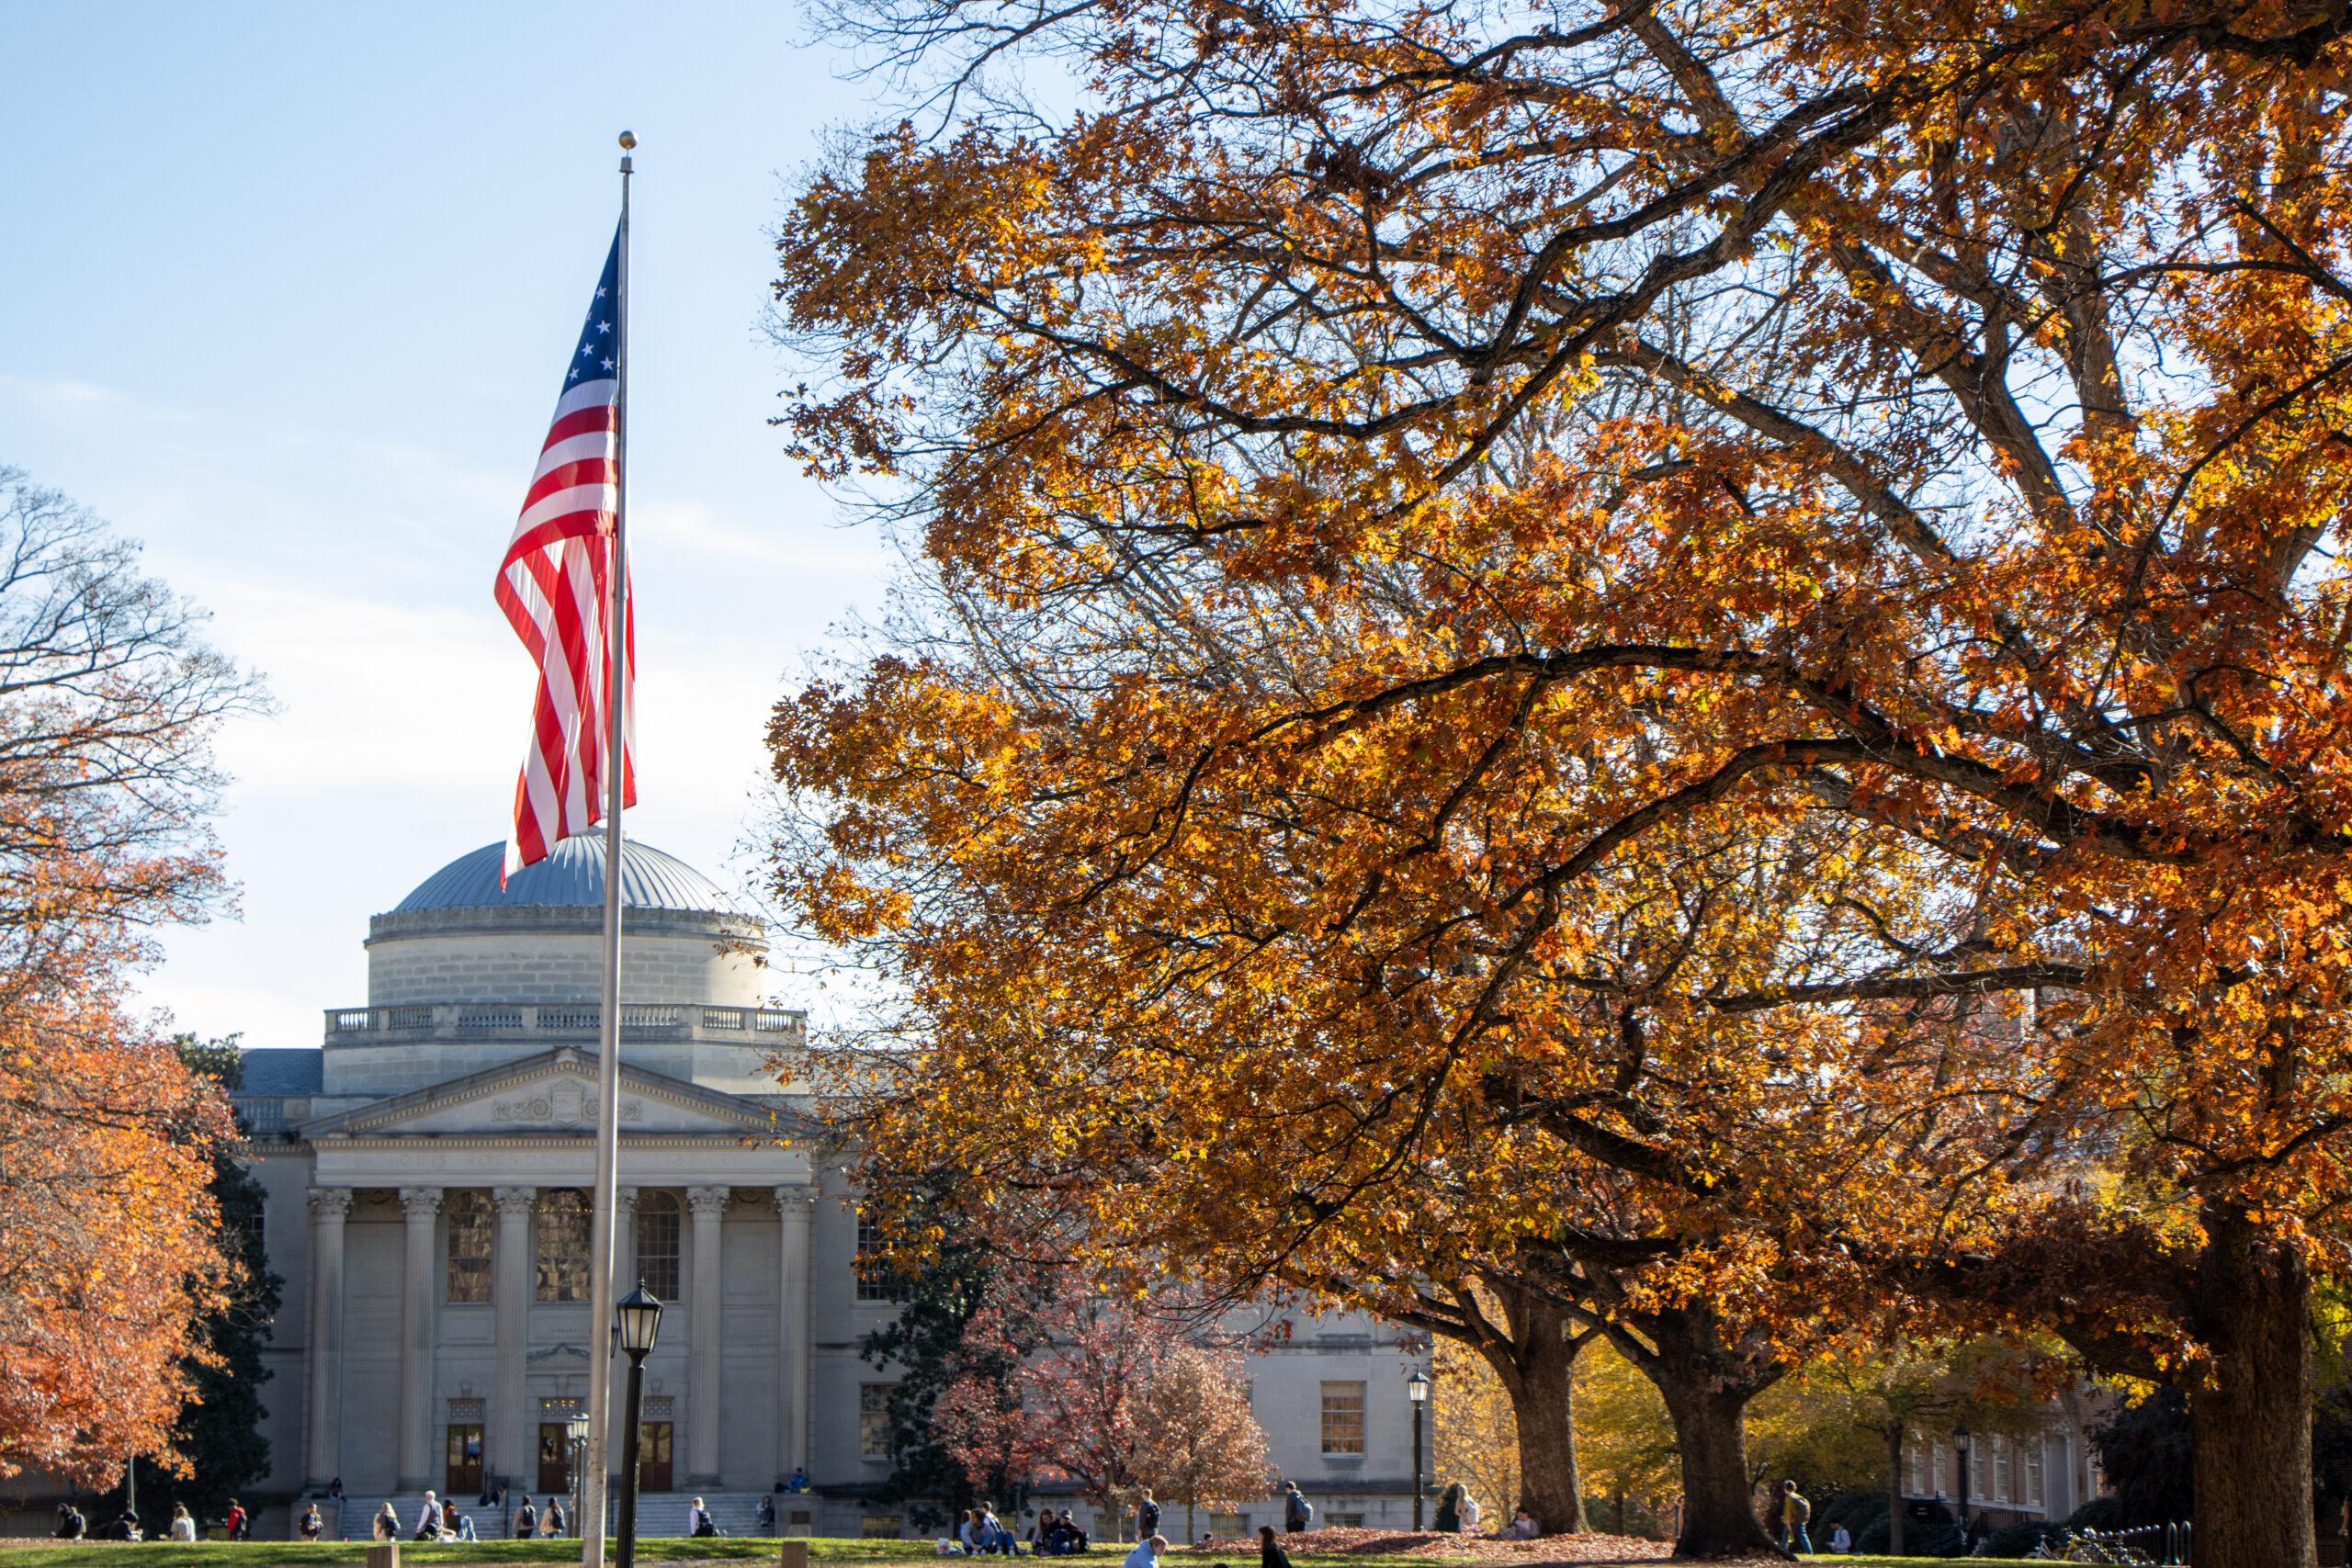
(1355, 1542)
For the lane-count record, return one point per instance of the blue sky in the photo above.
(287, 294)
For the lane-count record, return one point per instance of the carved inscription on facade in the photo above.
(563, 1105)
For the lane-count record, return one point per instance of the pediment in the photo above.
(555, 1093)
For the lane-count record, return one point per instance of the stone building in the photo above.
(427, 1169)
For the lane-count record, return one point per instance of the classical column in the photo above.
(710, 1206)
(329, 1207)
(514, 1432)
(623, 1248)
(422, 1205)
(793, 1206)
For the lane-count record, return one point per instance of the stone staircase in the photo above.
(658, 1514)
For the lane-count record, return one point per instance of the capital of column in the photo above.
(515, 1202)
(331, 1202)
(796, 1204)
(420, 1203)
(709, 1200)
(623, 1200)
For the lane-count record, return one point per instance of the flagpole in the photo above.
(608, 1050)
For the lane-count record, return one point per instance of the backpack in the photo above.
(526, 1522)
(1147, 1519)
(1799, 1509)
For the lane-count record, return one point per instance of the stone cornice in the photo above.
(675, 1092)
(565, 919)
(582, 1140)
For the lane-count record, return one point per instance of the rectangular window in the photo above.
(874, 1526)
(873, 1278)
(1939, 1471)
(563, 1247)
(657, 1245)
(470, 1227)
(1344, 1521)
(1229, 1526)
(1989, 1471)
(1343, 1418)
(1915, 1464)
(2033, 1498)
(874, 1419)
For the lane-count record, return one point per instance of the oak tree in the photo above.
(1921, 414)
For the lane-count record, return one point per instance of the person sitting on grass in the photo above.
(1523, 1527)
(1146, 1553)
(184, 1524)
(1269, 1551)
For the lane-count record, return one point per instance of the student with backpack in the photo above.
(1794, 1512)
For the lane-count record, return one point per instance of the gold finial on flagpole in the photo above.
(628, 143)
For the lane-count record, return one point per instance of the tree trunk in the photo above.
(2252, 1416)
(1711, 1428)
(1541, 1379)
(1895, 1489)
(1706, 1386)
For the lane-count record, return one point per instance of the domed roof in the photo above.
(573, 875)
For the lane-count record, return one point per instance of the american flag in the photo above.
(552, 588)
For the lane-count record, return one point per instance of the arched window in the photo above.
(657, 1243)
(471, 1225)
(563, 1247)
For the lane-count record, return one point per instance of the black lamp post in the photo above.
(1960, 1444)
(638, 1317)
(1416, 1389)
(575, 1432)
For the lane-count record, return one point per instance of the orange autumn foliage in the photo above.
(1410, 496)
(108, 1254)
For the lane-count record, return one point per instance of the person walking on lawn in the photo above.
(1794, 1512)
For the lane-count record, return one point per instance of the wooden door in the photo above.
(461, 1476)
(653, 1456)
(555, 1459)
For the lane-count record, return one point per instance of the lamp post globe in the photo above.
(637, 1317)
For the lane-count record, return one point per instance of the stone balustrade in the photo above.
(567, 1020)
